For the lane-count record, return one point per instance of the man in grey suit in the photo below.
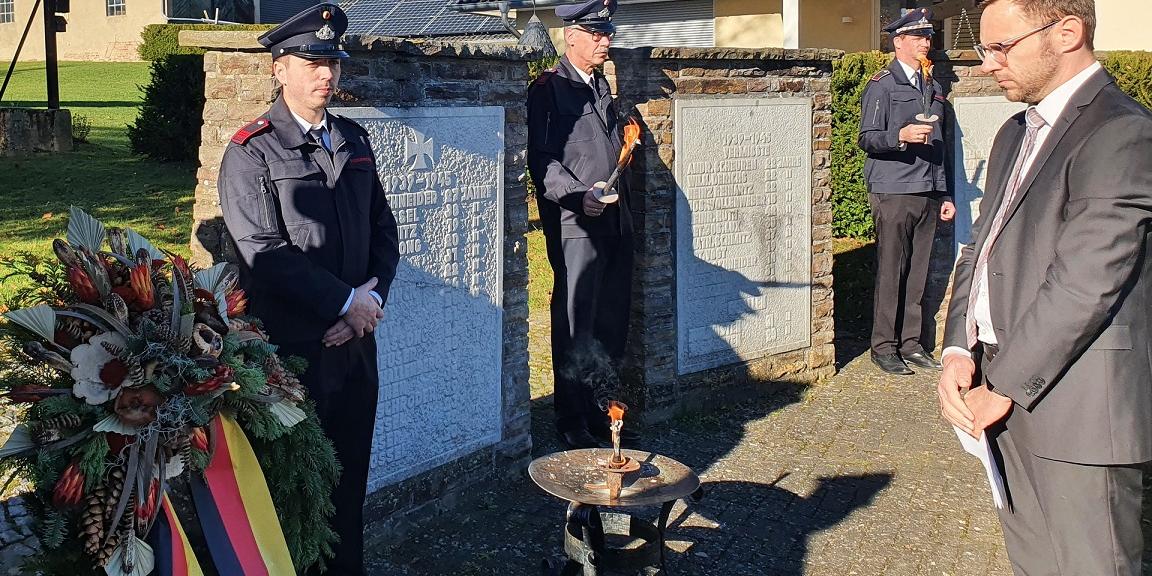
(1053, 298)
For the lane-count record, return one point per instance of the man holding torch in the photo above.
(576, 152)
(900, 129)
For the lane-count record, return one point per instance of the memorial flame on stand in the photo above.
(616, 414)
(618, 464)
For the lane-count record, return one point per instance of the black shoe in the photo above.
(891, 363)
(922, 359)
(580, 438)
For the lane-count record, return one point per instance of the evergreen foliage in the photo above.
(1133, 73)
(851, 215)
(165, 383)
(168, 125)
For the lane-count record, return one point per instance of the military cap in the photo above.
(916, 22)
(591, 14)
(313, 34)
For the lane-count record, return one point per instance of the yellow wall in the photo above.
(821, 24)
(749, 23)
(91, 34)
(1114, 25)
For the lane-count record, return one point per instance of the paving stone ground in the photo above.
(854, 476)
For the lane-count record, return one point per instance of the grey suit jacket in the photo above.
(1070, 281)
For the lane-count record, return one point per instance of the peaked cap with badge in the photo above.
(595, 15)
(313, 34)
(916, 22)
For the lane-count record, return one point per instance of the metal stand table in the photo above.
(596, 541)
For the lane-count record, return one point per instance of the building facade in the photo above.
(849, 25)
(96, 29)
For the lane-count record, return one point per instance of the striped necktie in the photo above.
(980, 273)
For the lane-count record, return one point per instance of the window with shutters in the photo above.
(7, 11)
(674, 23)
(115, 7)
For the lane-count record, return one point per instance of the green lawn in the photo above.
(101, 176)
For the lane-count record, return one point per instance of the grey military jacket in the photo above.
(890, 103)
(308, 227)
(574, 141)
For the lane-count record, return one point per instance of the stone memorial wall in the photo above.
(442, 168)
(732, 206)
(977, 119)
(743, 223)
(447, 127)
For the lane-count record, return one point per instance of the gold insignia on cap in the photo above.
(604, 13)
(325, 33)
(327, 14)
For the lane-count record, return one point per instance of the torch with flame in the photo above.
(926, 92)
(616, 414)
(605, 191)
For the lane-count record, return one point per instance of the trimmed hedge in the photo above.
(851, 215)
(168, 125)
(1133, 73)
(160, 40)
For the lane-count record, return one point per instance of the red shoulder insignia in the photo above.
(938, 97)
(251, 129)
(880, 75)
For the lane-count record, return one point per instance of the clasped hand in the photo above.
(363, 314)
(971, 410)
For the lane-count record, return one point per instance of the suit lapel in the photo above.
(1081, 98)
(1002, 160)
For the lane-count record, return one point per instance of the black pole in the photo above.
(50, 67)
(20, 46)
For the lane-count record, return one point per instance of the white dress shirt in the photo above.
(913, 79)
(1050, 108)
(587, 78)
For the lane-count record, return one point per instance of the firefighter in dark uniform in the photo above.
(574, 141)
(907, 191)
(317, 245)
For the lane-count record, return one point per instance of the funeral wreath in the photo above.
(132, 373)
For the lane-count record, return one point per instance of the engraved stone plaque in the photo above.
(743, 229)
(440, 343)
(978, 119)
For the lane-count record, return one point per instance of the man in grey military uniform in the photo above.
(574, 141)
(907, 191)
(317, 245)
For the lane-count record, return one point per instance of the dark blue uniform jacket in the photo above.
(308, 227)
(890, 103)
(574, 141)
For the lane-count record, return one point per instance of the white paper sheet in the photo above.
(982, 450)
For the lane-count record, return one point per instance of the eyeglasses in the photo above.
(999, 50)
(597, 35)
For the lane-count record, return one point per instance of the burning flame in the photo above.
(616, 410)
(631, 139)
(926, 66)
